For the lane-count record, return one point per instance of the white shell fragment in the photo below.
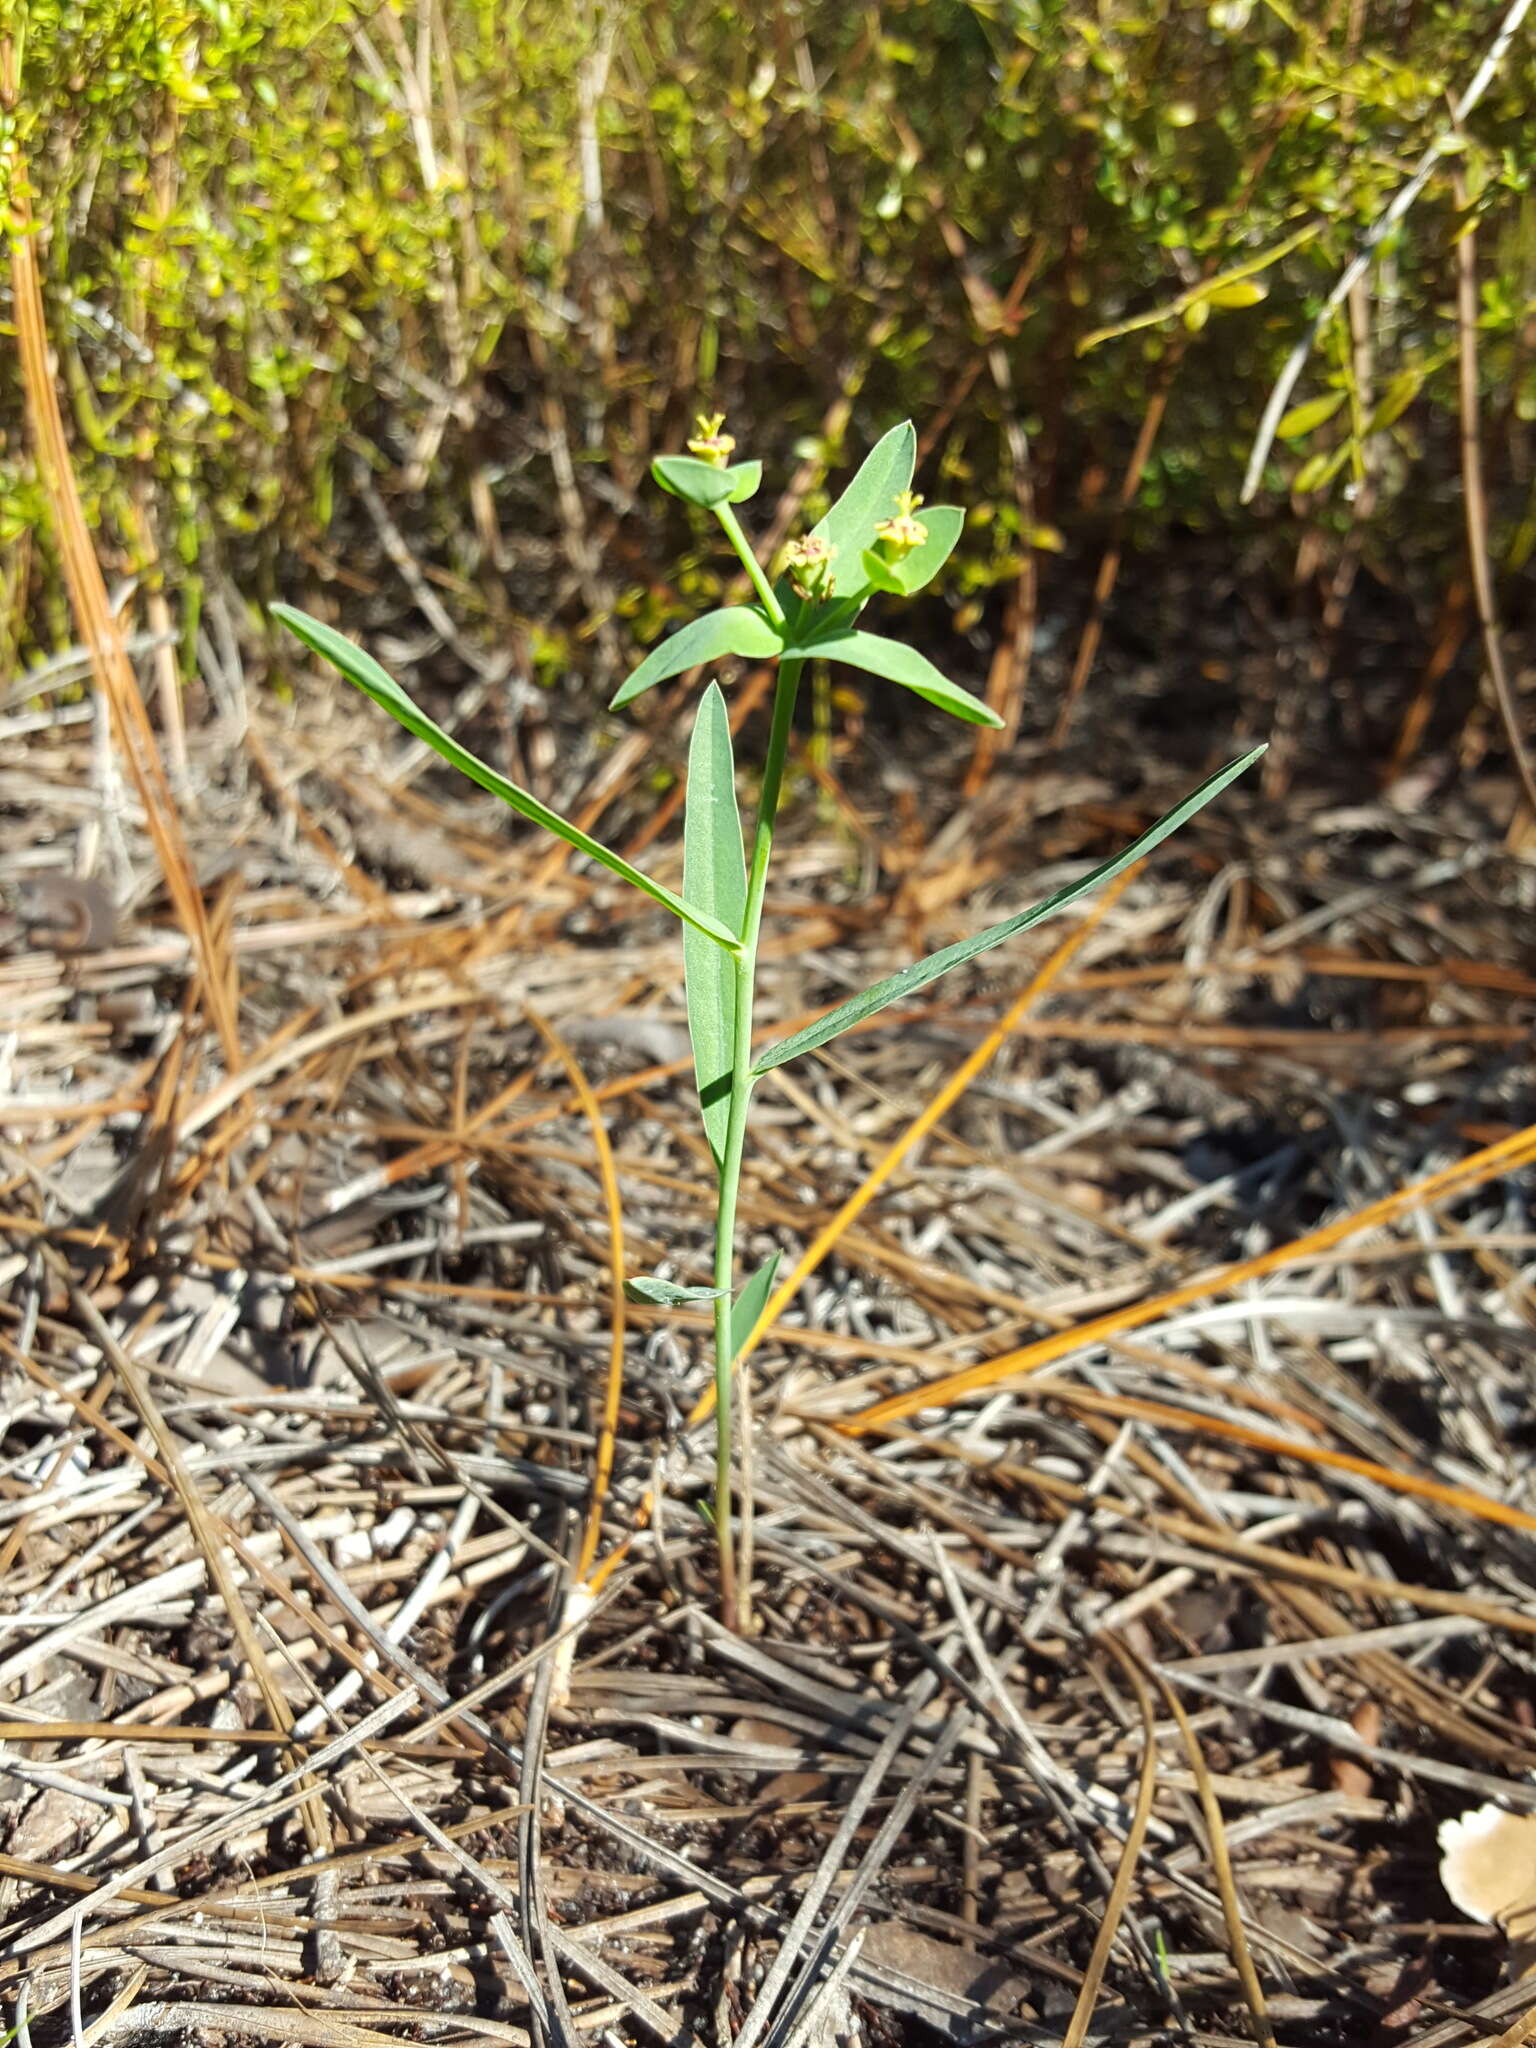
(1488, 1867)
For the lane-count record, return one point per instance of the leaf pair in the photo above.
(882, 476)
(362, 669)
(703, 483)
(744, 630)
(745, 1310)
(851, 526)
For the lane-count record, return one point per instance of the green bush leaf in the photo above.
(701, 483)
(738, 629)
(1301, 419)
(899, 986)
(714, 877)
(365, 672)
(878, 656)
(748, 1305)
(665, 1294)
(1396, 399)
(1320, 470)
(884, 474)
(917, 570)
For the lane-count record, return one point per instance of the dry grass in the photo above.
(1142, 1553)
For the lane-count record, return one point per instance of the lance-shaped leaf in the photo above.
(897, 663)
(365, 672)
(701, 483)
(1301, 419)
(748, 1305)
(667, 1293)
(738, 629)
(884, 474)
(715, 878)
(917, 570)
(899, 986)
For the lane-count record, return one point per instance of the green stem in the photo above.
(736, 1129)
(726, 514)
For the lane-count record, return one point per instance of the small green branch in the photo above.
(726, 514)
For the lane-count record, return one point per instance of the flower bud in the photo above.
(809, 563)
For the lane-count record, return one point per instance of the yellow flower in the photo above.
(897, 537)
(710, 443)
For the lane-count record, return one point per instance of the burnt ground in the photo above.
(1116, 1693)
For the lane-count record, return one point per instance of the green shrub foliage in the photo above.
(292, 243)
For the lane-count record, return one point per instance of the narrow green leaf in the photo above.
(1396, 399)
(884, 474)
(1320, 470)
(738, 629)
(714, 877)
(899, 986)
(748, 1305)
(1301, 419)
(666, 1294)
(365, 672)
(917, 570)
(878, 656)
(701, 483)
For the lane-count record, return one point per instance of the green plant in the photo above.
(871, 542)
(289, 243)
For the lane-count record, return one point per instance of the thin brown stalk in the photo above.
(209, 1539)
(607, 1435)
(1109, 563)
(1125, 1870)
(1475, 503)
(1221, 1865)
(98, 628)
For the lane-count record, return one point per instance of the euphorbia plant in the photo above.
(878, 539)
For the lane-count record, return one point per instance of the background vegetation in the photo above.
(329, 279)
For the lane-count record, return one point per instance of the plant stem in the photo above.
(734, 1602)
(726, 514)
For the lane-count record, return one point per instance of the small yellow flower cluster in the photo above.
(809, 564)
(899, 536)
(710, 443)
